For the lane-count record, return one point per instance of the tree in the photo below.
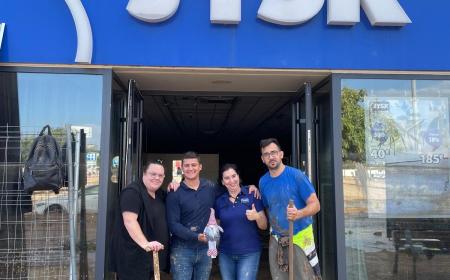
(353, 128)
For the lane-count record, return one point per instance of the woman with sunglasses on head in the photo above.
(240, 215)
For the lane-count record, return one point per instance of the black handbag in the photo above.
(43, 168)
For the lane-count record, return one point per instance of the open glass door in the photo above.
(132, 136)
(312, 153)
(303, 134)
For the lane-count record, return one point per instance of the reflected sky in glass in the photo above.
(61, 99)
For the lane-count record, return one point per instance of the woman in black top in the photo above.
(141, 227)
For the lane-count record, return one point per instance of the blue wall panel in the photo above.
(43, 32)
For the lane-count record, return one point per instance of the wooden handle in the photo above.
(291, 244)
(156, 265)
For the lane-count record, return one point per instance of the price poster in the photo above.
(407, 130)
(408, 138)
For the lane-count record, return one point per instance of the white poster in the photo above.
(408, 139)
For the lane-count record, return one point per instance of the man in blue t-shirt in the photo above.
(279, 185)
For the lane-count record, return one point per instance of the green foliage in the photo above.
(353, 131)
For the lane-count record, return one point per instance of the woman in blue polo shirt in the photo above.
(240, 215)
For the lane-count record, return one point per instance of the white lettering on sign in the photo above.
(385, 12)
(283, 12)
(152, 10)
(225, 11)
(379, 12)
(2, 30)
(289, 12)
(84, 31)
(343, 12)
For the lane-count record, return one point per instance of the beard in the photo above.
(273, 167)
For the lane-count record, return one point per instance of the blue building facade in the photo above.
(45, 33)
(374, 93)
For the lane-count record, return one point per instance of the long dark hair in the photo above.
(228, 166)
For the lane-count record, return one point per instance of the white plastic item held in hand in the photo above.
(289, 12)
(84, 31)
(152, 10)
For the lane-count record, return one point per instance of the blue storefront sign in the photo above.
(44, 32)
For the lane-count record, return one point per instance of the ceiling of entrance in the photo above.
(199, 109)
(219, 80)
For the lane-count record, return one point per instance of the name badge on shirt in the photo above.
(245, 200)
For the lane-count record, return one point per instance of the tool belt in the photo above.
(305, 241)
(282, 253)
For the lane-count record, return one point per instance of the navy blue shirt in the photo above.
(240, 236)
(188, 212)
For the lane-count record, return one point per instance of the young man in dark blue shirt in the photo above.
(188, 211)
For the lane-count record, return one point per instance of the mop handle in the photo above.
(291, 244)
(156, 265)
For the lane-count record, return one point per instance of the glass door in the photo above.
(132, 136)
(312, 153)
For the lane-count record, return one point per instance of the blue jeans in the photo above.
(187, 263)
(240, 267)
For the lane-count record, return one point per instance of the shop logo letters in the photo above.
(282, 12)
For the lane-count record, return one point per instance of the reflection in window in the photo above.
(39, 225)
(177, 173)
(396, 178)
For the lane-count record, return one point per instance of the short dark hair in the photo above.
(150, 162)
(266, 142)
(191, 155)
(227, 167)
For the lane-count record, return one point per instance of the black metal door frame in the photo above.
(132, 138)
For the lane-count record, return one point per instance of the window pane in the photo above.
(396, 178)
(40, 222)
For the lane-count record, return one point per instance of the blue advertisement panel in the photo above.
(44, 32)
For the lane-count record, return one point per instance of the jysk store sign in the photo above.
(340, 12)
(343, 34)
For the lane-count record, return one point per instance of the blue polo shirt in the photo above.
(240, 236)
(276, 192)
(188, 212)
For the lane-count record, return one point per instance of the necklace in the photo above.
(232, 197)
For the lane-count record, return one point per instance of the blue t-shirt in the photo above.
(276, 192)
(240, 235)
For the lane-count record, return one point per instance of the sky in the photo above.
(60, 99)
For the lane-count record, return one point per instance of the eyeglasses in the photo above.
(155, 175)
(270, 154)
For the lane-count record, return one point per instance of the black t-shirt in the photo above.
(130, 260)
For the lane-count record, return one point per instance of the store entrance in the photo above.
(223, 127)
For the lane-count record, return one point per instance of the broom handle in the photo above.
(291, 245)
(156, 265)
